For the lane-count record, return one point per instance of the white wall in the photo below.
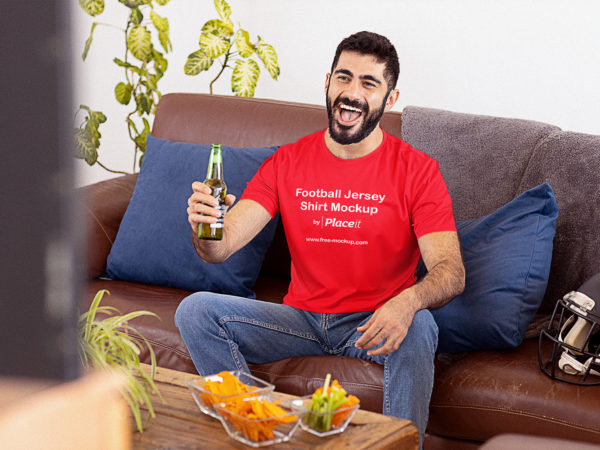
(531, 59)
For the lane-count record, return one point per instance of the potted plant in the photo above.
(107, 345)
(143, 65)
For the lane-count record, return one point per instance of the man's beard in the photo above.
(341, 133)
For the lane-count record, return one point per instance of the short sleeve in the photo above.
(431, 203)
(262, 188)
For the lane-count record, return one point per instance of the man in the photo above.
(359, 207)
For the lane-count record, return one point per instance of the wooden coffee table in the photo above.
(180, 424)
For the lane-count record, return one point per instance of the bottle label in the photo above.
(221, 220)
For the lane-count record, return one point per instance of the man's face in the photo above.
(357, 93)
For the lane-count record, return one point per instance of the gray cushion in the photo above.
(570, 163)
(482, 158)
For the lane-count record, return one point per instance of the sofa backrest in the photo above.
(570, 163)
(487, 161)
(242, 122)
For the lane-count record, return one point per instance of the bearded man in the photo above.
(359, 208)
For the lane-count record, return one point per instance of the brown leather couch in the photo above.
(476, 395)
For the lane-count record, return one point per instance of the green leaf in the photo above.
(267, 55)
(162, 2)
(218, 28)
(160, 63)
(128, 66)
(88, 42)
(144, 104)
(140, 140)
(91, 314)
(197, 62)
(121, 63)
(85, 147)
(244, 78)
(161, 23)
(97, 117)
(150, 82)
(139, 42)
(158, 97)
(244, 46)
(224, 11)
(92, 7)
(123, 93)
(131, 125)
(94, 118)
(146, 125)
(165, 41)
(136, 16)
(87, 142)
(213, 45)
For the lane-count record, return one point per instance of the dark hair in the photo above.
(368, 43)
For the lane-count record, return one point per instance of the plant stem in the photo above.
(110, 25)
(220, 72)
(111, 170)
(130, 125)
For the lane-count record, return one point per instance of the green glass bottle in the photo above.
(214, 179)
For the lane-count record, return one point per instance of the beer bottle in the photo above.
(214, 180)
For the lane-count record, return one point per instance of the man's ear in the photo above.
(392, 99)
(327, 82)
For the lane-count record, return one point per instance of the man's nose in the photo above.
(353, 89)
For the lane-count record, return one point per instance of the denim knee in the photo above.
(425, 329)
(188, 311)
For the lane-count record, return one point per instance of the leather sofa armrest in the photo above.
(103, 205)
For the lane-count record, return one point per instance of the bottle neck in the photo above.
(215, 163)
(215, 171)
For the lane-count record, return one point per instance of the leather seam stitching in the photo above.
(519, 413)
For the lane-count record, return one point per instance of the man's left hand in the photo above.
(390, 323)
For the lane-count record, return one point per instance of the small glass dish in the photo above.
(258, 432)
(323, 424)
(205, 399)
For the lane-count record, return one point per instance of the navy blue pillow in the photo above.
(154, 243)
(507, 257)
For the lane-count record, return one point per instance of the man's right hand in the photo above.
(202, 205)
(242, 223)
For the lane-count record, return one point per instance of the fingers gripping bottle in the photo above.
(214, 180)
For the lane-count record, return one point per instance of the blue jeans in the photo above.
(222, 332)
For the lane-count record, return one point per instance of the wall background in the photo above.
(529, 59)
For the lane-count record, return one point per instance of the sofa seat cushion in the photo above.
(491, 392)
(161, 333)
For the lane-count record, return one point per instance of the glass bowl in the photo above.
(323, 424)
(205, 399)
(240, 420)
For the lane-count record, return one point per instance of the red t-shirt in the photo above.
(352, 224)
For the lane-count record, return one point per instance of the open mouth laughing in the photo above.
(349, 114)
